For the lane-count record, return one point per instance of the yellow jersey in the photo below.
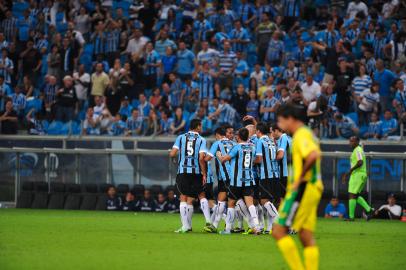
(303, 143)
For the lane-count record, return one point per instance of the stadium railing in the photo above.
(387, 171)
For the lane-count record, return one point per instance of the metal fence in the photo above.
(387, 171)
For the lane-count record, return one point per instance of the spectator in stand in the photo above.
(276, 51)
(311, 89)
(165, 123)
(335, 209)
(240, 100)
(389, 125)
(130, 203)
(374, 128)
(19, 100)
(368, 103)
(31, 61)
(400, 99)
(67, 102)
(161, 203)
(35, 122)
(389, 211)
(114, 202)
(134, 124)
(253, 105)
(82, 83)
(125, 108)
(385, 78)
(100, 81)
(269, 106)
(147, 203)
(6, 66)
(8, 119)
(91, 125)
(361, 82)
(345, 127)
(178, 123)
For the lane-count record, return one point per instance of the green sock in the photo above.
(352, 203)
(361, 201)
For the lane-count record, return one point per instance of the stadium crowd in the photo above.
(139, 68)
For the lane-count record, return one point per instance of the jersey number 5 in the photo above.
(189, 148)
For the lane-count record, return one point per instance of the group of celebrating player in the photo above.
(252, 177)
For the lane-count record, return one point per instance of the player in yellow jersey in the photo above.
(298, 209)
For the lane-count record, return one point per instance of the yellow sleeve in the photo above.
(306, 144)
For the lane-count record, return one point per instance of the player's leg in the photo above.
(239, 221)
(287, 246)
(249, 201)
(221, 204)
(288, 210)
(355, 186)
(243, 210)
(183, 207)
(266, 198)
(233, 194)
(190, 210)
(204, 206)
(310, 250)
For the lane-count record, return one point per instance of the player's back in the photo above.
(358, 154)
(224, 146)
(269, 167)
(303, 143)
(285, 143)
(242, 161)
(190, 145)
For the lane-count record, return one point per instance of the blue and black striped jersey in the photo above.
(222, 169)
(189, 146)
(242, 161)
(283, 144)
(269, 167)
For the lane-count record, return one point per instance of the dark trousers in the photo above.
(65, 114)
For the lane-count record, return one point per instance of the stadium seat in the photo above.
(123, 189)
(101, 202)
(138, 190)
(57, 187)
(41, 186)
(104, 187)
(56, 200)
(155, 190)
(25, 199)
(89, 188)
(72, 188)
(27, 186)
(40, 200)
(72, 202)
(88, 202)
(55, 128)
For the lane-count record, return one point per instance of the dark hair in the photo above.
(220, 131)
(243, 134)
(195, 123)
(263, 127)
(227, 126)
(276, 127)
(297, 112)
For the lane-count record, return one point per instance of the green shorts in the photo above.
(357, 183)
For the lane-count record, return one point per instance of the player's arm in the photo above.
(258, 153)
(222, 158)
(175, 148)
(280, 154)
(203, 165)
(212, 152)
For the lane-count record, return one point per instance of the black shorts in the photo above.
(189, 184)
(265, 189)
(278, 189)
(222, 186)
(208, 190)
(236, 193)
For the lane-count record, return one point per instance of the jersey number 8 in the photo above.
(247, 160)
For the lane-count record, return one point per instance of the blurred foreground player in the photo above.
(298, 209)
(190, 148)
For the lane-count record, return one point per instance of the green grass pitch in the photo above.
(47, 239)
